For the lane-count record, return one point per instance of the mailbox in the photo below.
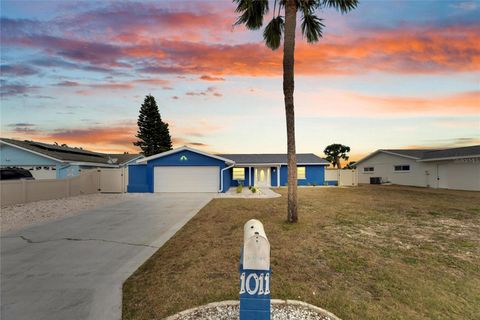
(255, 273)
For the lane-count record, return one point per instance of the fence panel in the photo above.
(331, 175)
(348, 177)
(23, 191)
(342, 177)
(112, 180)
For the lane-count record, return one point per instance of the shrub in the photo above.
(254, 190)
(249, 187)
(314, 184)
(239, 188)
(325, 183)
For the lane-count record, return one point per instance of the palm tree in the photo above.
(251, 15)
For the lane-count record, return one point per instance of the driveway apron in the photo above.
(74, 268)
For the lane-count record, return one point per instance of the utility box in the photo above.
(255, 273)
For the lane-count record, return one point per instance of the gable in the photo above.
(381, 158)
(11, 156)
(185, 158)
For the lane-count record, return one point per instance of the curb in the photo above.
(236, 303)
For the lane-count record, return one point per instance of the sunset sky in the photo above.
(391, 74)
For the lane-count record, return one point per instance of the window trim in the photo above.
(304, 173)
(233, 174)
(368, 171)
(402, 165)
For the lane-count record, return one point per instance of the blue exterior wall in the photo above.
(186, 158)
(10, 156)
(315, 175)
(273, 176)
(67, 171)
(245, 182)
(137, 178)
(331, 183)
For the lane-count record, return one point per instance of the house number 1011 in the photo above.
(262, 284)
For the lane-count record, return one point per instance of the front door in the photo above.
(262, 177)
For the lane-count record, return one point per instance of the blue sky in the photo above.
(391, 74)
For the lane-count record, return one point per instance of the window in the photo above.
(368, 169)
(238, 173)
(403, 167)
(301, 173)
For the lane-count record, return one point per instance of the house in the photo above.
(455, 168)
(47, 161)
(189, 170)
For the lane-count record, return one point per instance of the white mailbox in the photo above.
(256, 248)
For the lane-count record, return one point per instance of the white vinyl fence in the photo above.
(88, 182)
(343, 177)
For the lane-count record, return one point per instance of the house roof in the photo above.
(69, 154)
(429, 154)
(273, 158)
(453, 153)
(413, 153)
(166, 153)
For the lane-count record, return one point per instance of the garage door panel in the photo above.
(186, 179)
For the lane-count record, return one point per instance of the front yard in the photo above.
(372, 252)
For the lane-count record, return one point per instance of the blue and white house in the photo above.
(47, 161)
(189, 170)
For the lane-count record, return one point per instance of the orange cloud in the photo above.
(342, 103)
(210, 78)
(460, 103)
(452, 49)
(115, 138)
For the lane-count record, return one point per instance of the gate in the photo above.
(112, 180)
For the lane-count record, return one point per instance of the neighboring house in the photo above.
(189, 170)
(47, 161)
(456, 168)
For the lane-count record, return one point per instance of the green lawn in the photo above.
(372, 252)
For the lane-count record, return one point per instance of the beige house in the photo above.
(455, 168)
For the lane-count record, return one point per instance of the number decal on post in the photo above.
(242, 283)
(261, 287)
(260, 279)
(267, 284)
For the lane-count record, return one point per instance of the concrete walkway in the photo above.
(74, 268)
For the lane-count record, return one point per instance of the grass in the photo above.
(372, 252)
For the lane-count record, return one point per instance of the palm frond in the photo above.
(341, 5)
(251, 12)
(273, 33)
(312, 27)
(308, 5)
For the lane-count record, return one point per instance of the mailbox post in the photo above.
(255, 273)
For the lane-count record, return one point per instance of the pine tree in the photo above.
(153, 133)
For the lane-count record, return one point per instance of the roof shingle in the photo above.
(71, 154)
(273, 158)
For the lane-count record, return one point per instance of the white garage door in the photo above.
(186, 179)
(459, 175)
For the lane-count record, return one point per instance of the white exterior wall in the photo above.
(420, 174)
(459, 174)
(452, 174)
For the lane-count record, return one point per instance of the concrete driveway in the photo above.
(74, 268)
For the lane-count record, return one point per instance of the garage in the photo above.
(460, 175)
(186, 179)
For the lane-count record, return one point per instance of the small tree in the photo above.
(335, 152)
(153, 133)
(350, 165)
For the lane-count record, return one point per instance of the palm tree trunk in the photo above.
(288, 88)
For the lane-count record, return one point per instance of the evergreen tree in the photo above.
(153, 133)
